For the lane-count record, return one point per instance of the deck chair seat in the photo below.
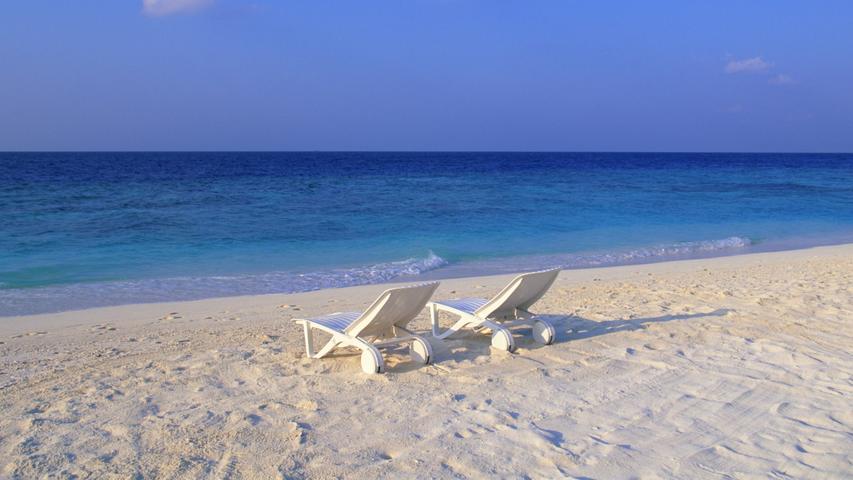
(336, 321)
(383, 324)
(509, 308)
(466, 305)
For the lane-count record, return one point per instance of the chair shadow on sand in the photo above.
(470, 345)
(570, 327)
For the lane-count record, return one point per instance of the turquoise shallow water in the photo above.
(81, 230)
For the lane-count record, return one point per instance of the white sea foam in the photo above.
(675, 250)
(87, 295)
(656, 253)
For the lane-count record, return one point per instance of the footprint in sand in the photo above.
(29, 334)
(254, 419)
(29, 446)
(38, 408)
(297, 432)
(108, 457)
(100, 328)
(307, 405)
(227, 467)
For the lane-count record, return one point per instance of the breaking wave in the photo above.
(671, 251)
(25, 301)
(658, 253)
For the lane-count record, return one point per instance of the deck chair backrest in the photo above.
(521, 293)
(396, 306)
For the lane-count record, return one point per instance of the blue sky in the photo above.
(426, 75)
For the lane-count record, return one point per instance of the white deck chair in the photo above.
(507, 309)
(382, 324)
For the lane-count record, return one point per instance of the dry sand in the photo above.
(737, 367)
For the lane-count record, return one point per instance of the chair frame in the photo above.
(372, 360)
(501, 324)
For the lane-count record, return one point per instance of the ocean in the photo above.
(81, 230)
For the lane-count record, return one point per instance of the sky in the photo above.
(545, 75)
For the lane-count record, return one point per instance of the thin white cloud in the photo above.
(782, 79)
(747, 65)
(171, 7)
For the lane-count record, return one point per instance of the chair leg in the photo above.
(371, 357)
(464, 321)
(328, 347)
(433, 316)
(502, 338)
(543, 332)
(421, 350)
(309, 341)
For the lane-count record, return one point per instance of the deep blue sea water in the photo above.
(80, 230)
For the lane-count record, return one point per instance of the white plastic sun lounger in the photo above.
(383, 324)
(509, 308)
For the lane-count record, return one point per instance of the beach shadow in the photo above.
(468, 345)
(397, 358)
(570, 327)
(465, 345)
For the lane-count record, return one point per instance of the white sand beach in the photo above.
(735, 367)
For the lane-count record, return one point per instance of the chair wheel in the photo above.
(421, 351)
(371, 361)
(543, 332)
(502, 340)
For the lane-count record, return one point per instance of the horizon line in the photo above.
(719, 152)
